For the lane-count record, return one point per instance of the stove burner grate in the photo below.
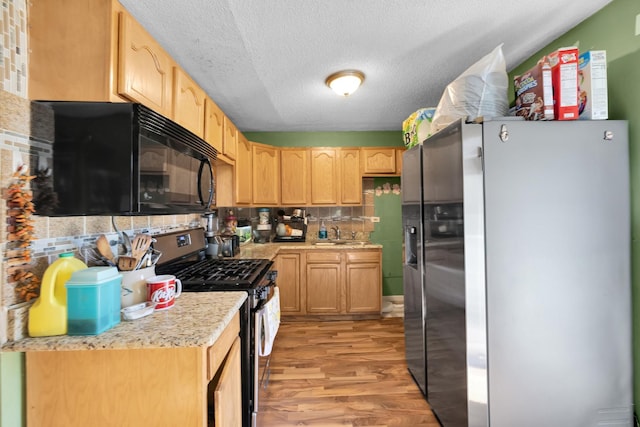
(234, 272)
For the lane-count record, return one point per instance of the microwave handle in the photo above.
(205, 163)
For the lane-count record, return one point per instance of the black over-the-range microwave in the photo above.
(123, 159)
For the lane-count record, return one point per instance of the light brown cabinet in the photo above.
(213, 124)
(338, 282)
(379, 161)
(81, 61)
(289, 267)
(144, 68)
(324, 280)
(324, 176)
(362, 281)
(230, 140)
(243, 173)
(350, 177)
(265, 175)
(294, 176)
(143, 386)
(188, 102)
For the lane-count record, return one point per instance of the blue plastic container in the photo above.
(93, 300)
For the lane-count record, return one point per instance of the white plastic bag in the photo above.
(480, 91)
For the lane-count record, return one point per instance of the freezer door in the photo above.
(558, 274)
(414, 304)
(443, 224)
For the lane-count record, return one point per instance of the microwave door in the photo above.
(206, 187)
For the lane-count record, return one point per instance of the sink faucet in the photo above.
(337, 230)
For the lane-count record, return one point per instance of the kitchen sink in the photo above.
(333, 242)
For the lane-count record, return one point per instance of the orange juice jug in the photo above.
(48, 315)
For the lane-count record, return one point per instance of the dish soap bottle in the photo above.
(322, 234)
(48, 315)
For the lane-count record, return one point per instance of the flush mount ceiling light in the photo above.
(344, 83)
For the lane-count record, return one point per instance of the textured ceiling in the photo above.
(265, 62)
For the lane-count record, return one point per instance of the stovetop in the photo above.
(185, 252)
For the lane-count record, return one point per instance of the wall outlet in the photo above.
(375, 219)
(638, 24)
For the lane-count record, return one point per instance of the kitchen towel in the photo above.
(268, 323)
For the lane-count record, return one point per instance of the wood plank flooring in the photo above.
(341, 373)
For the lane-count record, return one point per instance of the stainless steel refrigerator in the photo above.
(517, 273)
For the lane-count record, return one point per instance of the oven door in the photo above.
(267, 323)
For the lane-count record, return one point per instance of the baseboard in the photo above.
(393, 306)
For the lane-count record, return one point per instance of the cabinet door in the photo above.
(363, 288)
(230, 140)
(244, 171)
(145, 69)
(324, 285)
(289, 281)
(378, 161)
(294, 170)
(266, 175)
(188, 102)
(213, 124)
(324, 176)
(351, 180)
(227, 396)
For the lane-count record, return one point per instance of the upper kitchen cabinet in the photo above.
(144, 68)
(99, 53)
(294, 176)
(243, 172)
(324, 176)
(379, 161)
(213, 124)
(230, 140)
(266, 175)
(188, 102)
(73, 50)
(350, 178)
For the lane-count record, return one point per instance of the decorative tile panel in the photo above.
(13, 46)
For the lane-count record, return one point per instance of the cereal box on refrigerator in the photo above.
(564, 74)
(534, 92)
(592, 80)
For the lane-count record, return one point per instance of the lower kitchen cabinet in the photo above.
(324, 279)
(139, 386)
(362, 281)
(289, 267)
(344, 282)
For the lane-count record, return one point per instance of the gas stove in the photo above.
(183, 256)
(208, 275)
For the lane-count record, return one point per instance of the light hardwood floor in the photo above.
(341, 373)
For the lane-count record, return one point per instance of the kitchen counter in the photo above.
(270, 250)
(196, 320)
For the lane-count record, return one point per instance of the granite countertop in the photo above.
(196, 320)
(270, 250)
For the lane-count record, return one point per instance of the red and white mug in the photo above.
(163, 290)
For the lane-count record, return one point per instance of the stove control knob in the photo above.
(272, 274)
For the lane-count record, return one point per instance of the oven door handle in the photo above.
(259, 307)
(262, 302)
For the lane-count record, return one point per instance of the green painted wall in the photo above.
(388, 233)
(12, 392)
(613, 29)
(327, 139)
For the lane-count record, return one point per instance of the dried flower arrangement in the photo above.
(20, 208)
